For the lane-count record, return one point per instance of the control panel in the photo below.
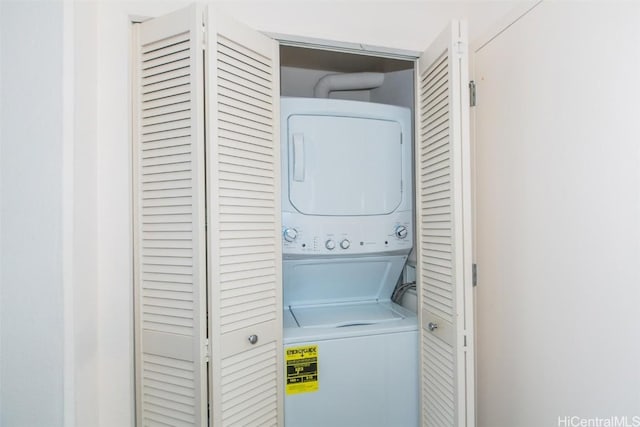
(302, 235)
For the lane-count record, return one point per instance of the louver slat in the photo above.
(431, 218)
(443, 247)
(232, 119)
(437, 294)
(249, 387)
(169, 217)
(245, 214)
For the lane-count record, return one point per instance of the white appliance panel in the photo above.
(343, 316)
(340, 280)
(365, 234)
(348, 184)
(313, 323)
(344, 165)
(366, 380)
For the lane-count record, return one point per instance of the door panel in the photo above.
(444, 231)
(169, 220)
(243, 190)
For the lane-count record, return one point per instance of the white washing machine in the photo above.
(351, 355)
(366, 347)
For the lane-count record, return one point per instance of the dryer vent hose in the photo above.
(350, 81)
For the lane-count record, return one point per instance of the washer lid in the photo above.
(340, 280)
(344, 315)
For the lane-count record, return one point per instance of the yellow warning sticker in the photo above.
(302, 369)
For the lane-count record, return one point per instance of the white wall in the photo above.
(558, 216)
(402, 24)
(558, 330)
(48, 286)
(85, 217)
(31, 214)
(396, 90)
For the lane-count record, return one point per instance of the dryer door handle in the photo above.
(298, 157)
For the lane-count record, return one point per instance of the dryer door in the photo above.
(344, 165)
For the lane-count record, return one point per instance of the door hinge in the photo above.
(474, 274)
(472, 93)
(204, 34)
(206, 350)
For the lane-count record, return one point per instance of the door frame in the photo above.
(350, 48)
(343, 47)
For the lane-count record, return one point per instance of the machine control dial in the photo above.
(345, 244)
(401, 232)
(330, 244)
(290, 234)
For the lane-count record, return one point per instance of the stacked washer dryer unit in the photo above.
(351, 354)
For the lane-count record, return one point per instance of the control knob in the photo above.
(345, 244)
(290, 234)
(401, 232)
(330, 244)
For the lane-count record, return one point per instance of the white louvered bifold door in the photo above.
(243, 167)
(444, 232)
(169, 221)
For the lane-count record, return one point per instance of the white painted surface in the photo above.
(558, 215)
(114, 240)
(85, 215)
(244, 394)
(397, 89)
(169, 219)
(101, 318)
(443, 235)
(572, 360)
(2, 36)
(408, 25)
(31, 210)
(68, 194)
